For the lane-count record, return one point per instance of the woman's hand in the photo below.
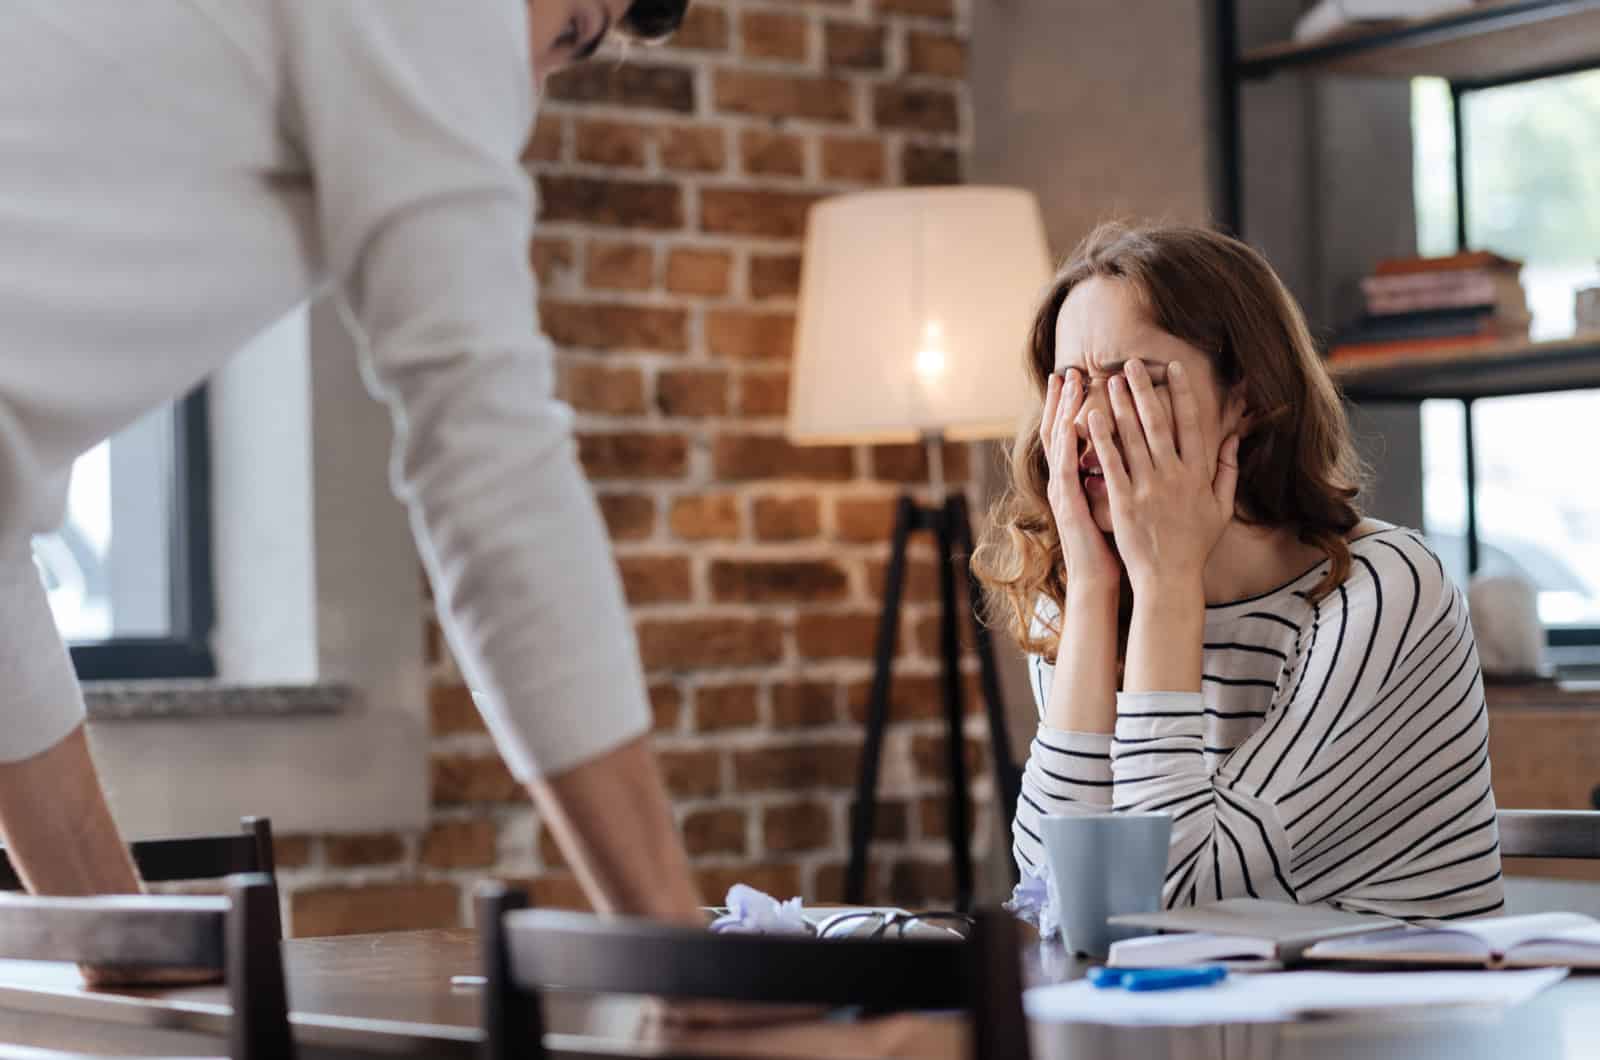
(1091, 565)
(1171, 493)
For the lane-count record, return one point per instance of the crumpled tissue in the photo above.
(751, 912)
(1030, 902)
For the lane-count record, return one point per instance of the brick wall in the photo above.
(674, 187)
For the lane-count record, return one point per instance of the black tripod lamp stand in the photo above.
(914, 310)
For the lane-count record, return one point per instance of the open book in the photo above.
(1235, 929)
(1538, 940)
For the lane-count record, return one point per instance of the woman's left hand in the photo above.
(1171, 493)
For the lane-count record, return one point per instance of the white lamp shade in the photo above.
(915, 306)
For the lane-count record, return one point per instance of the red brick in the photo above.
(764, 394)
(787, 518)
(631, 84)
(921, 884)
(927, 754)
(291, 851)
(691, 774)
(774, 275)
(926, 636)
(545, 143)
(692, 392)
(797, 768)
(610, 143)
(854, 46)
(912, 697)
(704, 28)
(857, 161)
(766, 153)
(933, 816)
(721, 831)
(655, 579)
(620, 266)
(919, 109)
(693, 148)
(755, 212)
(551, 258)
(691, 271)
(551, 856)
(621, 203)
(453, 711)
(742, 457)
(373, 907)
(921, 583)
(828, 884)
(708, 517)
(945, 9)
(473, 778)
(796, 827)
(719, 707)
(864, 519)
(614, 326)
(777, 581)
(833, 636)
(936, 54)
(890, 821)
(750, 336)
(695, 643)
(466, 844)
(639, 456)
(629, 516)
(804, 705)
(909, 463)
(929, 166)
(770, 35)
(780, 881)
(590, 387)
(373, 848)
(764, 95)
(557, 890)
(666, 702)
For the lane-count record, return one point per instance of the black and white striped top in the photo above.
(1338, 750)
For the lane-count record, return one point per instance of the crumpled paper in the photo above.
(752, 912)
(1030, 902)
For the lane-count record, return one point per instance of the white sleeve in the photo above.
(412, 115)
(43, 701)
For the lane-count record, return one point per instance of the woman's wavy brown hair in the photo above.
(1297, 467)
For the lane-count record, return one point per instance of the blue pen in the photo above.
(1141, 980)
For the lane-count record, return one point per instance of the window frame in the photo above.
(186, 652)
(1580, 644)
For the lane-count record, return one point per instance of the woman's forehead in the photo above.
(1103, 324)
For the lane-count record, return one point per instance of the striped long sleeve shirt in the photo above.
(1338, 750)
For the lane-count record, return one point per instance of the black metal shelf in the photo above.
(1507, 40)
(1490, 370)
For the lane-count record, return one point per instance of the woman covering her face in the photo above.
(1215, 632)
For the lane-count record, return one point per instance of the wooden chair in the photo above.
(237, 934)
(527, 951)
(1549, 833)
(208, 857)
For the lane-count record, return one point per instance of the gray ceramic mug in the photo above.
(1104, 865)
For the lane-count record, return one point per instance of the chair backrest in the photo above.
(1549, 833)
(236, 934)
(190, 857)
(527, 951)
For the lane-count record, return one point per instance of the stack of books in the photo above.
(1333, 16)
(1422, 304)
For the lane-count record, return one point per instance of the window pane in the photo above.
(108, 569)
(1533, 193)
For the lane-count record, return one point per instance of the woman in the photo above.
(1215, 632)
(176, 176)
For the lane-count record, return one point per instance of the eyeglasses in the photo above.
(887, 923)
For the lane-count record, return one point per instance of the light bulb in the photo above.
(930, 359)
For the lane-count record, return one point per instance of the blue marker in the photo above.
(1140, 980)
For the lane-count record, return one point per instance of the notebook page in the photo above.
(1476, 939)
(1573, 947)
(1171, 951)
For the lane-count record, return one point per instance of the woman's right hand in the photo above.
(1090, 562)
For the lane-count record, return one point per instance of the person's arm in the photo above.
(412, 115)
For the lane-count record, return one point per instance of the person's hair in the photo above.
(1297, 467)
(652, 20)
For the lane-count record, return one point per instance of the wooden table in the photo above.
(390, 995)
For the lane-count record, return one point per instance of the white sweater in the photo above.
(175, 175)
(1337, 753)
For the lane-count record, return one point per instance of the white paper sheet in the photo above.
(1286, 996)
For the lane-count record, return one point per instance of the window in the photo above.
(1532, 181)
(128, 573)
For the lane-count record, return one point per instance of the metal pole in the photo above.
(1472, 492)
(1456, 124)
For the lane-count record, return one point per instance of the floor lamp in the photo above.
(914, 310)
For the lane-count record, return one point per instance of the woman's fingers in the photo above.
(1111, 465)
(1192, 445)
(1052, 400)
(1135, 450)
(1153, 415)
